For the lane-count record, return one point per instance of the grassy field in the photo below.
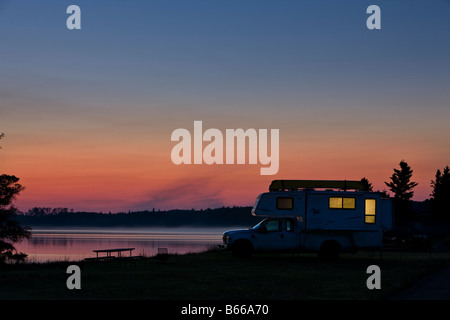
(217, 275)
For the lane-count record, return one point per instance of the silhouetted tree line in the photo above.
(436, 209)
(44, 211)
(440, 197)
(207, 217)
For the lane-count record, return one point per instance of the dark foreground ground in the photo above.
(434, 286)
(218, 276)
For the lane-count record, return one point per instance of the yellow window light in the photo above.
(369, 219)
(348, 203)
(335, 203)
(342, 203)
(370, 211)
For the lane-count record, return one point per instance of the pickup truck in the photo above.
(308, 220)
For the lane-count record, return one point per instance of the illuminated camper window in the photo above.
(369, 213)
(335, 203)
(285, 203)
(341, 203)
(348, 203)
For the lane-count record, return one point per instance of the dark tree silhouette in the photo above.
(440, 196)
(367, 186)
(402, 187)
(10, 230)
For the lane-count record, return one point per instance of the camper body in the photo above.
(310, 220)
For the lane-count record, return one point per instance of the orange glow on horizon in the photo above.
(108, 172)
(167, 186)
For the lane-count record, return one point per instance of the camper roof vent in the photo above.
(284, 185)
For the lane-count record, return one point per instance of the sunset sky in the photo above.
(88, 114)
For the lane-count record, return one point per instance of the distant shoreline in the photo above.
(219, 217)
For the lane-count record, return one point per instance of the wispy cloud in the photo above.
(198, 192)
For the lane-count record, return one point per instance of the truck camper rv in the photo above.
(327, 217)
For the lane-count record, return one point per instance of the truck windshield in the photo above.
(256, 204)
(257, 226)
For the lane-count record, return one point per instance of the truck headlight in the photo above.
(226, 238)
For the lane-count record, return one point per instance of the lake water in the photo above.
(76, 244)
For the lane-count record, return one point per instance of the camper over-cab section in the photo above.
(315, 216)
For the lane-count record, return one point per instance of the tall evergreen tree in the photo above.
(401, 184)
(402, 187)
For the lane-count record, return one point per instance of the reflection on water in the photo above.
(77, 244)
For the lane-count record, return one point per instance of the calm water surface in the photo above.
(76, 244)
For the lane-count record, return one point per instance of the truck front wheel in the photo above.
(242, 249)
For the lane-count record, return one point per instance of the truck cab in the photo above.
(275, 234)
(299, 218)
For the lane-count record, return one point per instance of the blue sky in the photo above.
(228, 49)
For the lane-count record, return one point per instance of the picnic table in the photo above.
(110, 255)
(109, 252)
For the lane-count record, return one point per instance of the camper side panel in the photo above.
(386, 214)
(324, 213)
(368, 239)
(281, 204)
